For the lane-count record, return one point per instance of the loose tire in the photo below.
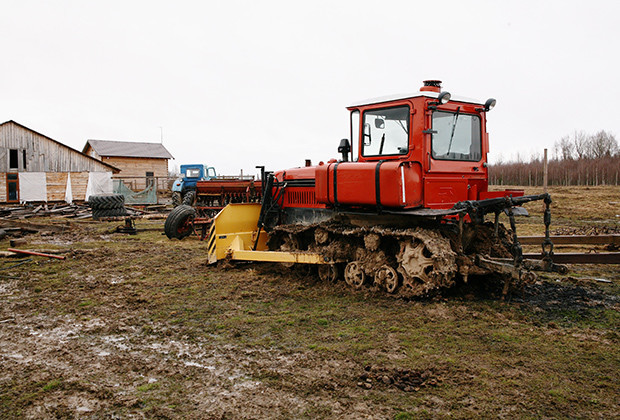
(102, 213)
(110, 201)
(179, 223)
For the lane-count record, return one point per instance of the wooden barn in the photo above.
(36, 168)
(140, 164)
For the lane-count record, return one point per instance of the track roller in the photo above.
(354, 274)
(386, 278)
(329, 272)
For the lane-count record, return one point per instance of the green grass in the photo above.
(491, 355)
(148, 387)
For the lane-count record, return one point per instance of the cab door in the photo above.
(456, 156)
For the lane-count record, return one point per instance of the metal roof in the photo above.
(128, 149)
(396, 97)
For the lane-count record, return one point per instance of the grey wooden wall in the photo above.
(42, 154)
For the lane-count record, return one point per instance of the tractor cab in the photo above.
(425, 150)
(441, 138)
(190, 174)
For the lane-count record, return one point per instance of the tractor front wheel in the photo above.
(180, 222)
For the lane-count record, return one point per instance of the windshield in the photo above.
(192, 173)
(386, 131)
(456, 136)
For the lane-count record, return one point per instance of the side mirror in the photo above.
(345, 149)
(367, 134)
(380, 123)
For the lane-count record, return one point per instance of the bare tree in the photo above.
(580, 159)
(603, 144)
(564, 148)
(581, 143)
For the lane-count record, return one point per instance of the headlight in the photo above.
(444, 97)
(489, 104)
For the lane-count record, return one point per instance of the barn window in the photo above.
(13, 159)
(24, 158)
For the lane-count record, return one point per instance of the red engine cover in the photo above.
(387, 184)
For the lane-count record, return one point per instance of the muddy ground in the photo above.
(140, 327)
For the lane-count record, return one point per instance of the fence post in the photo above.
(545, 172)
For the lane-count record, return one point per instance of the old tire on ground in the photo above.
(110, 201)
(101, 213)
(177, 199)
(179, 223)
(189, 198)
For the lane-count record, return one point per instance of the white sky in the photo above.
(236, 84)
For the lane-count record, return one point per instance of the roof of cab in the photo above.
(397, 97)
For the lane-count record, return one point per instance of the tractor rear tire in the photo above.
(110, 201)
(189, 198)
(176, 199)
(179, 223)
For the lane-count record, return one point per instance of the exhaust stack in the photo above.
(431, 86)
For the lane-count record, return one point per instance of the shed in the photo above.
(35, 167)
(138, 162)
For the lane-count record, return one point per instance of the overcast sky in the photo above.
(235, 84)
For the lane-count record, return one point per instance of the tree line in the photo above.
(576, 159)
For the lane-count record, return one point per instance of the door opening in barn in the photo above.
(150, 177)
(12, 188)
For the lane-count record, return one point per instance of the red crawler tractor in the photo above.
(403, 209)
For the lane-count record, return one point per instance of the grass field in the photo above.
(139, 326)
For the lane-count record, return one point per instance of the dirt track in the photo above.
(132, 327)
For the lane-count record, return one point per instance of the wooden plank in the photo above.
(3, 187)
(580, 258)
(56, 186)
(79, 182)
(35, 227)
(573, 240)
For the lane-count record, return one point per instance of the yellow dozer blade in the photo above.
(233, 235)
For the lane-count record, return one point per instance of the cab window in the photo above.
(456, 136)
(192, 173)
(386, 131)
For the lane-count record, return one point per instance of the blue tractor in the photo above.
(184, 188)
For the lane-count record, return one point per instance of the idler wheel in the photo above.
(354, 274)
(416, 260)
(387, 278)
(328, 272)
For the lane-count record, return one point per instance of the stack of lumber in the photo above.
(79, 211)
(72, 211)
